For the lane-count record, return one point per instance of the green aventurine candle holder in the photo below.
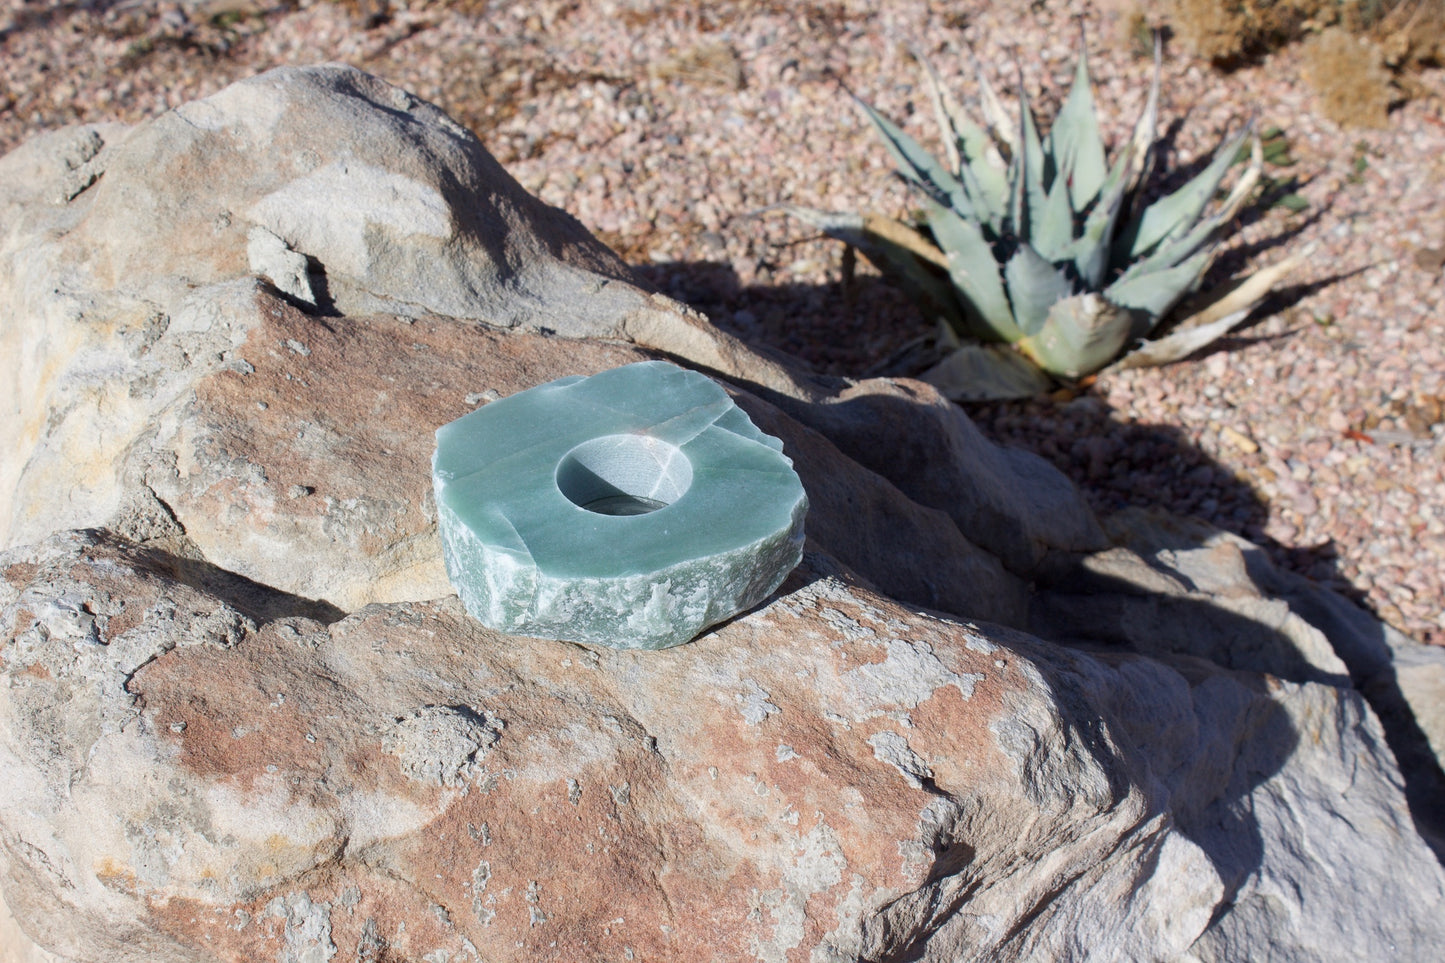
(634, 508)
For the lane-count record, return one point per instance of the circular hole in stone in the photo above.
(624, 474)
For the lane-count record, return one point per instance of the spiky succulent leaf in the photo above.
(983, 175)
(986, 178)
(918, 166)
(1153, 293)
(1202, 238)
(1176, 213)
(989, 197)
(1075, 143)
(974, 272)
(971, 150)
(1016, 218)
(999, 125)
(1034, 286)
(1169, 256)
(950, 116)
(1141, 148)
(894, 248)
(1093, 248)
(1217, 318)
(1082, 334)
(1180, 344)
(1174, 250)
(1090, 250)
(1053, 227)
(1034, 167)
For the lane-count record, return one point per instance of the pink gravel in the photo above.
(1316, 431)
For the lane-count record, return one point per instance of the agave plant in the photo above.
(1040, 243)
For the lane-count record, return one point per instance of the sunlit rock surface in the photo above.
(633, 508)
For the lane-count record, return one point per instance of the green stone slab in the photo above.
(634, 508)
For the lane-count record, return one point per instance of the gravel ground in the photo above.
(1316, 431)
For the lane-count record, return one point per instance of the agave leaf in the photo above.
(917, 165)
(1250, 291)
(948, 120)
(1176, 213)
(974, 272)
(1141, 142)
(1179, 344)
(993, 113)
(1153, 293)
(1207, 232)
(1035, 166)
(1246, 183)
(990, 198)
(1092, 249)
(1053, 228)
(1171, 253)
(1034, 286)
(897, 250)
(971, 150)
(904, 252)
(986, 372)
(1216, 319)
(859, 229)
(1074, 140)
(1016, 217)
(1082, 334)
(1174, 251)
(904, 238)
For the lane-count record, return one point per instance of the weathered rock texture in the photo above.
(136, 253)
(833, 773)
(243, 717)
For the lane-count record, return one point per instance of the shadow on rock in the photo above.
(852, 329)
(1222, 591)
(258, 602)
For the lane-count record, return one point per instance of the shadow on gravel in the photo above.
(858, 330)
(855, 331)
(841, 329)
(42, 18)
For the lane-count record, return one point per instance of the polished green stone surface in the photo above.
(634, 508)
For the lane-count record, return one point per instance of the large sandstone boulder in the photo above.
(131, 258)
(165, 371)
(243, 716)
(197, 772)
